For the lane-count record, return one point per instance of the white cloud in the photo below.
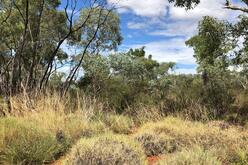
(157, 8)
(148, 8)
(169, 50)
(177, 28)
(214, 8)
(136, 25)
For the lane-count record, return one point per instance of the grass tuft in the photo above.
(195, 156)
(108, 150)
(22, 142)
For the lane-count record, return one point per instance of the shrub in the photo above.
(22, 142)
(119, 123)
(107, 150)
(155, 145)
(195, 156)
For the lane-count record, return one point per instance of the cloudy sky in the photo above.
(163, 28)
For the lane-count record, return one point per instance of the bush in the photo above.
(155, 145)
(119, 123)
(23, 143)
(195, 156)
(107, 150)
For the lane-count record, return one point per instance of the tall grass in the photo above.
(41, 127)
(23, 142)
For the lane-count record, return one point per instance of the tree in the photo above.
(100, 33)
(211, 46)
(21, 34)
(124, 79)
(33, 32)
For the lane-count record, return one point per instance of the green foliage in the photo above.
(34, 34)
(125, 79)
(210, 45)
(108, 36)
(109, 150)
(188, 4)
(23, 143)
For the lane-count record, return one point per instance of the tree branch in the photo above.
(228, 5)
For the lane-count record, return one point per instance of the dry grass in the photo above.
(60, 122)
(154, 144)
(108, 150)
(23, 142)
(118, 123)
(72, 116)
(65, 120)
(194, 156)
(184, 134)
(142, 114)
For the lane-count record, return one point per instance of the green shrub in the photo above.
(196, 156)
(119, 123)
(23, 143)
(107, 150)
(155, 145)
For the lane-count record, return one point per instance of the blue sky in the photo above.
(163, 28)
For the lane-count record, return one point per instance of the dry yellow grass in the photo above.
(109, 149)
(73, 118)
(183, 134)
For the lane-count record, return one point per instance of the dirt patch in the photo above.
(152, 160)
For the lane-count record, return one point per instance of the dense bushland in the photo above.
(119, 107)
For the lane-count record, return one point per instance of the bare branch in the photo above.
(72, 75)
(70, 32)
(228, 5)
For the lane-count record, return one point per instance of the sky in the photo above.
(163, 28)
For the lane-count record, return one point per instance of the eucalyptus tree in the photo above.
(123, 79)
(212, 46)
(33, 33)
(101, 33)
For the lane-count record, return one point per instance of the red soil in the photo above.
(152, 160)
